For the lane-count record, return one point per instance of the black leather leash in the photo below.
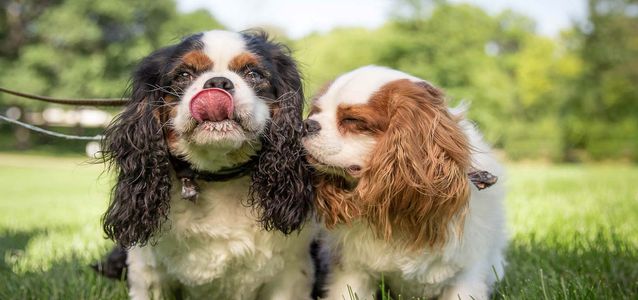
(66, 101)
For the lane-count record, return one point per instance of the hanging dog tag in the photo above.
(190, 190)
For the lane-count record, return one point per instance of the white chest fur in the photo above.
(412, 272)
(214, 247)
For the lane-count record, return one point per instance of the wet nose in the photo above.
(311, 127)
(220, 83)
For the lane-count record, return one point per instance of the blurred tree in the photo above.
(79, 48)
(86, 48)
(605, 106)
(323, 57)
(518, 82)
(14, 24)
(571, 97)
(452, 54)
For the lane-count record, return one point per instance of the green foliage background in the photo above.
(569, 98)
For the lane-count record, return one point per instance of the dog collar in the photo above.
(188, 175)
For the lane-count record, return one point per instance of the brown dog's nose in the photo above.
(311, 127)
(220, 83)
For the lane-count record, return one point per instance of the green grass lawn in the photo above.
(574, 231)
(50, 210)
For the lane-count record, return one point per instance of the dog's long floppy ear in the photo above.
(334, 201)
(135, 149)
(281, 184)
(416, 183)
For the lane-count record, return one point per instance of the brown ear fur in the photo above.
(334, 203)
(415, 183)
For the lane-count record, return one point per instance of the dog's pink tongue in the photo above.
(212, 105)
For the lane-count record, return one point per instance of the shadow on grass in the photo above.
(12, 242)
(70, 278)
(569, 267)
(605, 267)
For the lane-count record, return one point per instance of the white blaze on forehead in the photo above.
(356, 87)
(222, 46)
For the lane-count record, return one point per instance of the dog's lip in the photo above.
(353, 170)
(212, 125)
(236, 120)
(319, 165)
(350, 176)
(315, 161)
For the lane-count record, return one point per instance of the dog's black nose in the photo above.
(220, 83)
(311, 127)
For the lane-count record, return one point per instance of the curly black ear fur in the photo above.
(134, 147)
(281, 183)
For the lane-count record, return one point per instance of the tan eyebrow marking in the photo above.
(197, 60)
(242, 60)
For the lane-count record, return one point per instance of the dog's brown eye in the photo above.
(254, 76)
(185, 75)
(357, 125)
(352, 121)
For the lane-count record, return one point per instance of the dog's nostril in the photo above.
(311, 126)
(219, 83)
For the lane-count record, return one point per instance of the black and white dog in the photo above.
(211, 175)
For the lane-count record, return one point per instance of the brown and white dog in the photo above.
(207, 155)
(394, 191)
